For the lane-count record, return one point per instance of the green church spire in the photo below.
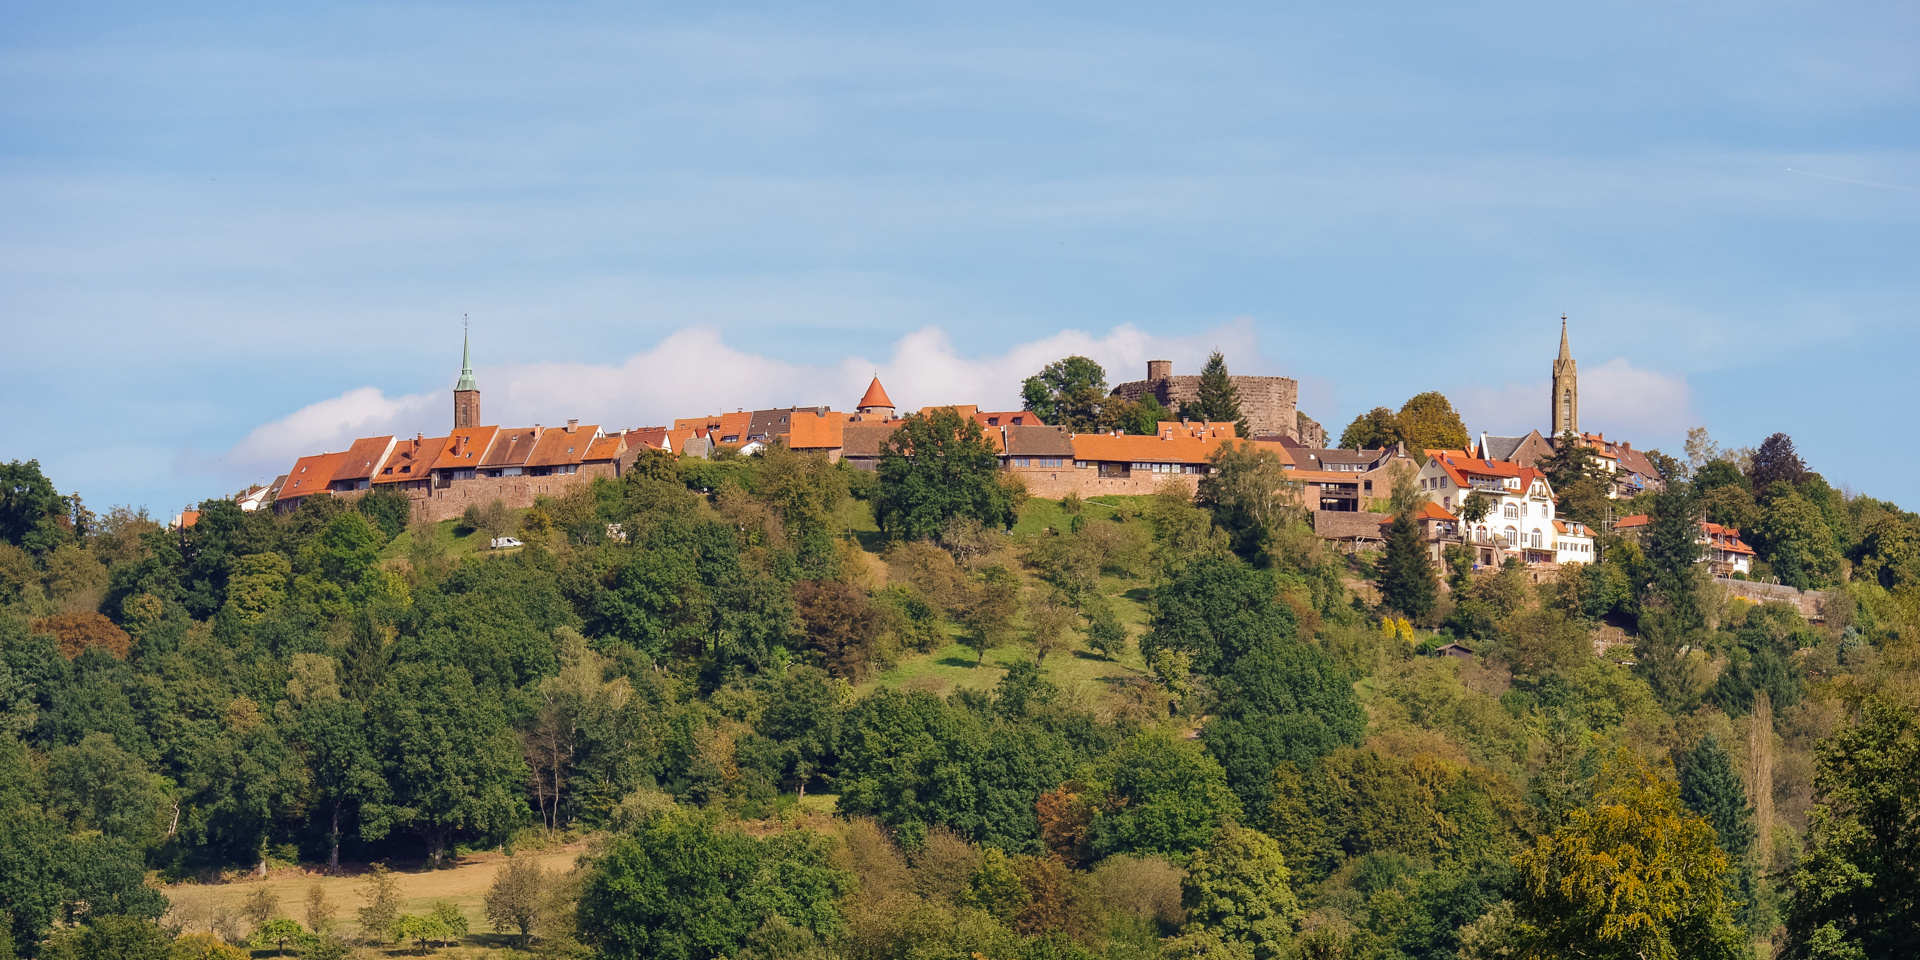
(466, 364)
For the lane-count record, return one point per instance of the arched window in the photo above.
(1513, 537)
(1508, 511)
(1481, 534)
(1536, 538)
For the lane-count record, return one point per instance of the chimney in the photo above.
(1483, 445)
(1159, 369)
(572, 425)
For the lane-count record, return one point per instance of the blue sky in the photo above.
(231, 233)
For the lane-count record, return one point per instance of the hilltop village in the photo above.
(1155, 670)
(1343, 490)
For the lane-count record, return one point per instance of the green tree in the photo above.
(1428, 422)
(451, 763)
(32, 513)
(1284, 702)
(1247, 491)
(1407, 581)
(122, 938)
(1376, 429)
(279, 931)
(1710, 787)
(936, 467)
(1856, 892)
(331, 734)
(1216, 610)
(684, 888)
(96, 785)
(1166, 796)
(1796, 541)
(513, 900)
(1140, 417)
(1067, 393)
(382, 895)
(1219, 399)
(1631, 875)
(1238, 887)
(1577, 479)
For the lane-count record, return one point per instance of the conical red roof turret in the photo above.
(876, 396)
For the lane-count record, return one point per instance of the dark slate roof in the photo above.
(767, 424)
(1501, 448)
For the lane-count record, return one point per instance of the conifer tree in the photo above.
(1710, 787)
(1219, 400)
(1407, 581)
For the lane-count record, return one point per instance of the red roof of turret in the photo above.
(876, 396)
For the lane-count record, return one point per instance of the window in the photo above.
(1536, 538)
(1513, 537)
(1446, 503)
(1508, 511)
(1079, 464)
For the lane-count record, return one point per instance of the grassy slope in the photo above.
(1079, 672)
(465, 884)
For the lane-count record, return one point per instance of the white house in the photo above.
(1720, 547)
(1521, 522)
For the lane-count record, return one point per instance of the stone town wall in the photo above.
(1268, 403)
(1808, 602)
(446, 503)
(1053, 483)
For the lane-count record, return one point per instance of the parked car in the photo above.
(502, 542)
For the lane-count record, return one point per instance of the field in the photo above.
(465, 884)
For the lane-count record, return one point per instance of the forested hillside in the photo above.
(796, 710)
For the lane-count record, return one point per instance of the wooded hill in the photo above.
(806, 711)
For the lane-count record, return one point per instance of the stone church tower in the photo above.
(466, 393)
(1566, 390)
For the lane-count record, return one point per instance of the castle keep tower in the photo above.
(1565, 414)
(466, 392)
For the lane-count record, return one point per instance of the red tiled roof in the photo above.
(811, 431)
(1637, 520)
(607, 448)
(731, 428)
(364, 458)
(1008, 418)
(876, 396)
(457, 455)
(1160, 449)
(1197, 428)
(511, 447)
(411, 460)
(310, 475)
(188, 518)
(1428, 511)
(556, 447)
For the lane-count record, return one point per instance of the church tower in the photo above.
(466, 392)
(1566, 389)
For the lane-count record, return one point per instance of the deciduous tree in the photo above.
(1631, 875)
(936, 467)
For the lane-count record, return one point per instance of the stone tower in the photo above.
(466, 392)
(1566, 389)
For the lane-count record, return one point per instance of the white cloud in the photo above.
(329, 425)
(1616, 398)
(694, 372)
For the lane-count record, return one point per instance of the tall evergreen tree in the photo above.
(1671, 621)
(1219, 400)
(1407, 582)
(1710, 787)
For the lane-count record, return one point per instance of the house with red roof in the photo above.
(1519, 520)
(1721, 548)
